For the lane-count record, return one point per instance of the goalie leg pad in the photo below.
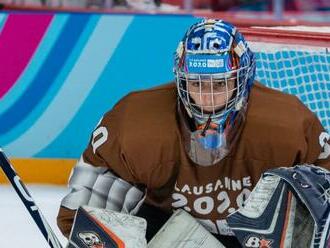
(183, 231)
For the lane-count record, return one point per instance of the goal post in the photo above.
(295, 60)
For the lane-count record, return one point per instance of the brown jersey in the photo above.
(143, 146)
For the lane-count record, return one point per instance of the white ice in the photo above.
(17, 228)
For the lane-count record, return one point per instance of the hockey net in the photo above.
(295, 60)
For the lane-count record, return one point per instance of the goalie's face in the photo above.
(211, 96)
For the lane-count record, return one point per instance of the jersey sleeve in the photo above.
(102, 177)
(105, 147)
(318, 140)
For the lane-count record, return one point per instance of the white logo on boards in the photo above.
(100, 136)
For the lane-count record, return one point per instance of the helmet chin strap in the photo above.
(207, 125)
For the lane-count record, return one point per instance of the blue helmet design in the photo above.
(214, 70)
(214, 51)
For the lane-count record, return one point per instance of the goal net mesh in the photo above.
(299, 69)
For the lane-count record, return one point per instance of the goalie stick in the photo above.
(28, 201)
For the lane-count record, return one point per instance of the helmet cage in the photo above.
(239, 93)
(211, 40)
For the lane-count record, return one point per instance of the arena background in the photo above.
(60, 71)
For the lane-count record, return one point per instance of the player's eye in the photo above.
(219, 84)
(195, 84)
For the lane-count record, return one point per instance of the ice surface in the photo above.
(17, 228)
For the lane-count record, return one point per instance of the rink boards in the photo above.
(61, 71)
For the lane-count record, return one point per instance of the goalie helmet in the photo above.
(214, 51)
(214, 70)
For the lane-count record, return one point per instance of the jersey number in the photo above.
(100, 135)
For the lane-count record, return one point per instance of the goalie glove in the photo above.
(289, 207)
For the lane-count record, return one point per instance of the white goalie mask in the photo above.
(214, 70)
